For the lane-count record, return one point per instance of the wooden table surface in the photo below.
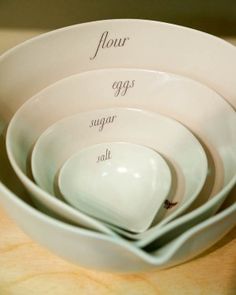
(27, 269)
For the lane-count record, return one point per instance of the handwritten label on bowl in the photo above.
(101, 122)
(105, 42)
(121, 87)
(104, 157)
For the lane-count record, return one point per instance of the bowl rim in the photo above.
(144, 256)
(91, 23)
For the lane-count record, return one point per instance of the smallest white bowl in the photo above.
(121, 183)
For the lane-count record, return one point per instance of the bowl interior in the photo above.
(181, 98)
(98, 178)
(130, 125)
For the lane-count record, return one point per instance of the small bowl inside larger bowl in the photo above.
(197, 65)
(176, 96)
(118, 182)
(165, 135)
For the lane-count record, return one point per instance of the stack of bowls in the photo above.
(118, 142)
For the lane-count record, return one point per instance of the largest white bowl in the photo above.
(35, 64)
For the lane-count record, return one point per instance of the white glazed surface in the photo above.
(178, 97)
(167, 136)
(211, 61)
(105, 253)
(181, 98)
(147, 44)
(118, 182)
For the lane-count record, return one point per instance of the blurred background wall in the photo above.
(21, 19)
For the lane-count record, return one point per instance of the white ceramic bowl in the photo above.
(184, 99)
(118, 182)
(167, 136)
(196, 54)
(181, 98)
(19, 206)
(105, 253)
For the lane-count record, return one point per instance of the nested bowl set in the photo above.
(118, 142)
